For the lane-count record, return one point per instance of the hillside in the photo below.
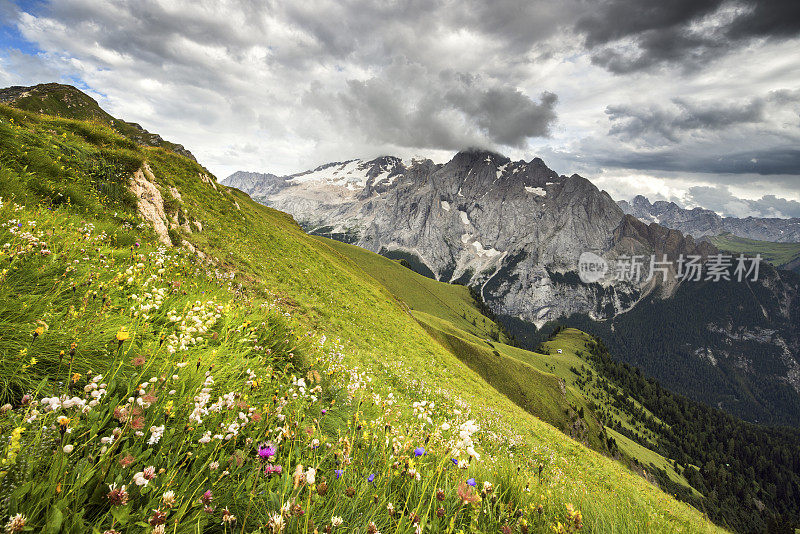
(514, 231)
(781, 255)
(245, 307)
(68, 102)
(573, 383)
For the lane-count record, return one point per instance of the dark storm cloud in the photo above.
(783, 163)
(456, 111)
(629, 35)
(630, 122)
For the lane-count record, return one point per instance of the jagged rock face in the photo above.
(700, 222)
(256, 184)
(509, 227)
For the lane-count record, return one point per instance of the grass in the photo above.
(782, 255)
(530, 380)
(275, 305)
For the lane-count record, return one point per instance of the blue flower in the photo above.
(371, 478)
(419, 451)
(471, 482)
(455, 462)
(338, 473)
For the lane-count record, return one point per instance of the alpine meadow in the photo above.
(309, 267)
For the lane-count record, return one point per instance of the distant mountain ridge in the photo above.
(700, 222)
(71, 103)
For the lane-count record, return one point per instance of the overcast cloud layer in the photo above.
(696, 101)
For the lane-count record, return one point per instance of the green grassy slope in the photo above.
(66, 101)
(452, 303)
(290, 304)
(533, 381)
(781, 255)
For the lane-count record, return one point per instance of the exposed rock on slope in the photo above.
(150, 203)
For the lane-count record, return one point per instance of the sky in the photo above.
(694, 101)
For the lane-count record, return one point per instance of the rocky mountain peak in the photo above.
(480, 219)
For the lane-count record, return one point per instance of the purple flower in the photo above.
(455, 462)
(207, 498)
(419, 451)
(471, 482)
(338, 473)
(273, 469)
(324, 411)
(266, 450)
(371, 478)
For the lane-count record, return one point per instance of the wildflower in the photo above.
(299, 475)
(372, 528)
(467, 494)
(267, 451)
(159, 529)
(440, 512)
(68, 448)
(471, 482)
(445, 426)
(440, 495)
(390, 509)
(6, 408)
(155, 434)
(63, 421)
(371, 478)
(213, 466)
(16, 523)
(207, 497)
(138, 361)
(505, 529)
(350, 491)
(273, 469)
(311, 475)
(127, 460)
(487, 487)
(123, 335)
(168, 499)
(322, 488)
(227, 517)
(158, 518)
(338, 473)
(276, 523)
(117, 496)
(142, 478)
(336, 521)
(419, 451)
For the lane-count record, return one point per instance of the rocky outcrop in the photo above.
(150, 203)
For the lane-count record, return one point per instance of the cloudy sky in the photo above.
(696, 101)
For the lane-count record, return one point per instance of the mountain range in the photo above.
(700, 222)
(515, 231)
